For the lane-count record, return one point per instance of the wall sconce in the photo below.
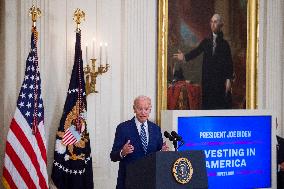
(92, 72)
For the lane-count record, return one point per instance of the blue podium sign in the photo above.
(238, 149)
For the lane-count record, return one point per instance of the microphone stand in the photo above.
(175, 144)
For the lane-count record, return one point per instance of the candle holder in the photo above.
(91, 74)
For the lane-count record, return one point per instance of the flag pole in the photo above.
(78, 16)
(35, 13)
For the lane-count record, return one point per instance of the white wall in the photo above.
(271, 59)
(129, 27)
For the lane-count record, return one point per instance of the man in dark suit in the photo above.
(280, 162)
(217, 68)
(136, 138)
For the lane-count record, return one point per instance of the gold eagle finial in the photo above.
(34, 13)
(78, 15)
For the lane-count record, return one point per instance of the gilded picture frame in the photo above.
(250, 55)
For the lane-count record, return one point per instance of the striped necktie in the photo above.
(143, 137)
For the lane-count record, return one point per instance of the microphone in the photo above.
(176, 136)
(168, 135)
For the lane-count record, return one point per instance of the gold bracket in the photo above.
(92, 74)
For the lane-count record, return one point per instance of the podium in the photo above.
(155, 171)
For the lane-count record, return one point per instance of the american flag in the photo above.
(25, 156)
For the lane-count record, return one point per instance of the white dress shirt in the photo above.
(214, 42)
(138, 125)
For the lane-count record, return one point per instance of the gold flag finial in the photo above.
(78, 15)
(34, 13)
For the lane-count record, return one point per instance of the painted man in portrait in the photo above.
(217, 67)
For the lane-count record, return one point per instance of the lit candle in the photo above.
(101, 44)
(106, 53)
(94, 48)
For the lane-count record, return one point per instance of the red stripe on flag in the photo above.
(72, 141)
(67, 135)
(69, 140)
(41, 146)
(19, 166)
(8, 179)
(29, 150)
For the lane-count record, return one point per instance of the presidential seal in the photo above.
(182, 170)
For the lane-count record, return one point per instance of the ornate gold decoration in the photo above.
(34, 13)
(73, 115)
(74, 156)
(60, 134)
(91, 74)
(182, 170)
(252, 54)
(162, 58)
(78, 16)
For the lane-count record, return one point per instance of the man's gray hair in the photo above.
(219, 18)
(141, 97)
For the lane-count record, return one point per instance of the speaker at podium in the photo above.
(168, 170)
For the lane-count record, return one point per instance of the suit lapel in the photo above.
(150, 130)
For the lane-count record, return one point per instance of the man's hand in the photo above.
(165, 147)
(127, 149)
(228, 86)
(179, 56)
(282, 166)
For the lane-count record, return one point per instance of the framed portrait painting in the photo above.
(183, 26)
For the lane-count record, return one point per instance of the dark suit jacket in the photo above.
(128, 131)
(280, 159)
(216, 68)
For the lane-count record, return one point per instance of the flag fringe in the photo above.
(5, 183)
